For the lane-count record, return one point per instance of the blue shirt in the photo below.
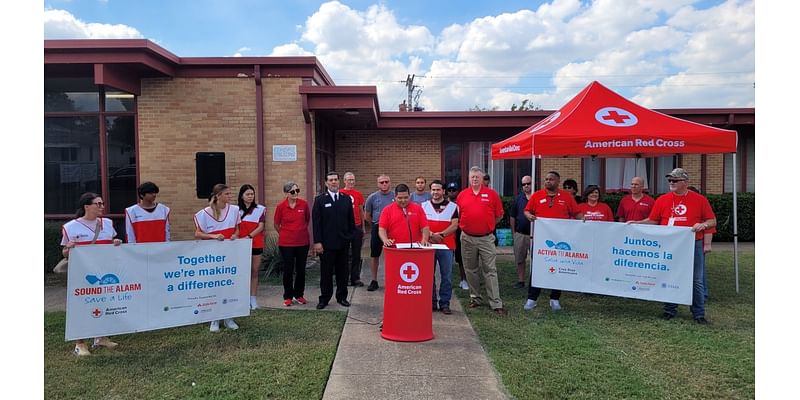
(419, 199)
(522, 224)
(376, 202)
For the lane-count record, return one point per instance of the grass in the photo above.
(602, 347)
(275, 354)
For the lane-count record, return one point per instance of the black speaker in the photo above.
(210, 170)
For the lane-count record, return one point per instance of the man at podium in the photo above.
(403, 221)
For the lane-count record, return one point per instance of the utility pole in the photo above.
(410, 85)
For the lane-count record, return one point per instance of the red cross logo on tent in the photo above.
(97, 313)
(547, 121)
(680, 209)
(614, 116)
(409, 272)
(552, 270)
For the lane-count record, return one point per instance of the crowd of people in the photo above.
(463, 220)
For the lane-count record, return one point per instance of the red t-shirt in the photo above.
(598, 212)
(478, 211)
(293, 222)
(358, 204)
(393, 220)
(631, 210)
(562, 205)
(687, 210)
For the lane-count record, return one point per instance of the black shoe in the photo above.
(701, 321)
(667, 316)
(320, 306)
(446, 310)
(373, 286)
(357, 283)
(435, 307)
(519, 285)
(343, 302)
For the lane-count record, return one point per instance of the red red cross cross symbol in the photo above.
(552, 269)
(618, 118)
(409, 272)
(96, 312)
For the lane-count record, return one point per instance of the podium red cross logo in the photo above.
(96, 313)
(409, 272)
(614, 116)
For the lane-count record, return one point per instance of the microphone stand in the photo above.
(410, 242)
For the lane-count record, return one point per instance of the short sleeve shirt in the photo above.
(598, 212)
(562, 205)
(376, 202)
(687, 210)
(479, 211)
(358, 202)
(394, 221)
(632, 210)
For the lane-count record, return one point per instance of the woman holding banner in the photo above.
(89, 228)
(252, 226)
(291, 221)
(592, 208)
(218, 221)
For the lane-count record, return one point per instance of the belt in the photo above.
(484, 235)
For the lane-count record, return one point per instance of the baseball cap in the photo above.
(678, 173)
(452, 185)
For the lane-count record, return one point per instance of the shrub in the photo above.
(52, 244)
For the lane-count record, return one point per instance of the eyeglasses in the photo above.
(526, 183)
(296, 191)
(383, 182)
(675, 180)
(99, 204)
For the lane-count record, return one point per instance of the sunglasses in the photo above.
(296, 191)
(99, 204)
(674, 180)
(383, 182)
(526, 183)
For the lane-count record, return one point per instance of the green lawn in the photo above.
(601, 347)
(275, 354)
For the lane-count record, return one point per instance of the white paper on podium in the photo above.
(419, 246)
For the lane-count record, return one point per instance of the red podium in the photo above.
(407, 313)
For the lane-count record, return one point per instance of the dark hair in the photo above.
(85, 200)
(589, 189)
(557, 175)
(145, 188)
(436, 182)
(331, 173)
(570, 183)
(244, 188)
(402, 188)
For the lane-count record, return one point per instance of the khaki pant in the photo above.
(479, 256)
(522, 243)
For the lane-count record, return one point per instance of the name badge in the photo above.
(328, 205)
(671, 221)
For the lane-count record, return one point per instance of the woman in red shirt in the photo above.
(251, 225)
(291, 222)
(592, 208)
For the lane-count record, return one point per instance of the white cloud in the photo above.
(60, 24)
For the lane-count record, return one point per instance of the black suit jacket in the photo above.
(333, 221)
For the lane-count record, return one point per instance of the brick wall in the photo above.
(568, 168)
(401, 154)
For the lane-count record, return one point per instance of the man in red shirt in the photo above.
(481, 209)
(637, 205)
(683, 207)
(358, 234)
(403, 221)
(550, 202)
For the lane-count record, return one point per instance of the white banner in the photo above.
(647, 262)
(140, 287)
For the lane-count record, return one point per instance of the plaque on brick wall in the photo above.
(284, 152)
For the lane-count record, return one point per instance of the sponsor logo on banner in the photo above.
(510, 148)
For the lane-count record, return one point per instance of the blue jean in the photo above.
(698, 290)
(445, 260)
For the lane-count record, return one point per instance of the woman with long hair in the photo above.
(291, 221)
(592, 208)
(89, 228)
(252, 226)
(218, 221)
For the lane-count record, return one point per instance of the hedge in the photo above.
(722, 204)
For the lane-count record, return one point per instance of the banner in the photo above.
(145, 286)
(648, 262)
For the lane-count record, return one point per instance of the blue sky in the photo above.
(660, 53)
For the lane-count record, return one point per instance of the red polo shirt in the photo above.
(562, 205)
(632, 210)
(393, 220)
(293, 222)
(358, 204)
(598, 212)
(689, 209)
(478, 211)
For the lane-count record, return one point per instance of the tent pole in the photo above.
(735, 227)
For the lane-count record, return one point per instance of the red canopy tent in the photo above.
(599, 122)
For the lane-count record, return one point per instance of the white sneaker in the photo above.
(104, 342)
(230, 324)
(214, 326)
(555, 305)
(253, 303)
(81, 350)
(529, 305)
(464, 285)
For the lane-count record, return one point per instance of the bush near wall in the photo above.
(52, 244)
(722, 204)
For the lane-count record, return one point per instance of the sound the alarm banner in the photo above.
(145, 286)
(647, 262)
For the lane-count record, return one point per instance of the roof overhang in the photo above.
(343, 107)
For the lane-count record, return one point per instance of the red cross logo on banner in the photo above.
(97, 313)
(614, 116)
(547, 121)
(409, 272)
(552, 270)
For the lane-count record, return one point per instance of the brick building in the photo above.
(120, 112)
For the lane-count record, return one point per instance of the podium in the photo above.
(407, 311)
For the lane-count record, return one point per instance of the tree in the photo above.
(525, 106)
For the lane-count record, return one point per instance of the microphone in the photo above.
(410, 242)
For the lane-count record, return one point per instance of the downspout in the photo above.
(259, 135)
(310, 156)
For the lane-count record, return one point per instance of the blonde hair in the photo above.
(212, 199)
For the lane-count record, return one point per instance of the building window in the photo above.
(615, 174)
(121, 158)
(71, 161)
(71, 95)
(452, 164)
(745, 166)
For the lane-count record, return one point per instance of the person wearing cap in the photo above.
(481, 209)
(452, 194)
(521, 229)
(683, 207)
(637, 205)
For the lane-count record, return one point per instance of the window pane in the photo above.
(71, 162)
(591, 172)
(664, 165)
(71, 95)
(121, 163)
(120, 101)
(452, 164)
